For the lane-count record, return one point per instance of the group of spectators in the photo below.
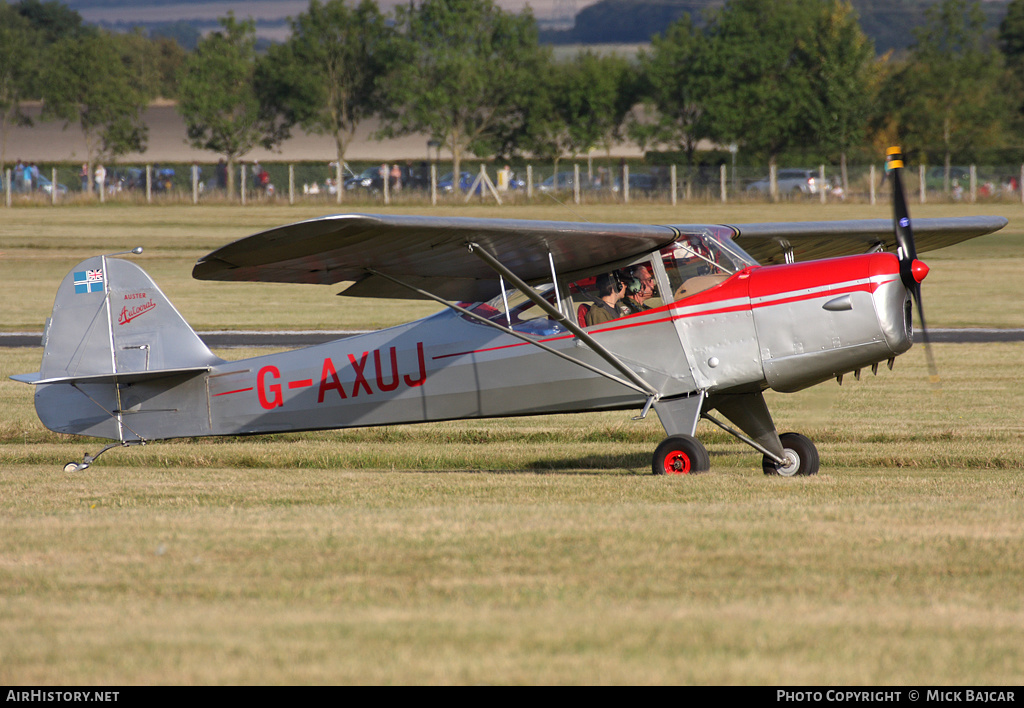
(24, 177)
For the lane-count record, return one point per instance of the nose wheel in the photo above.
(801, 457)
(681, 454)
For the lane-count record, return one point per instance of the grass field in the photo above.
(528, 551)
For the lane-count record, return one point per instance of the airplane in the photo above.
(721, 313)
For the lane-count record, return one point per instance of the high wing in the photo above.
(432, 253)
(812, 240)
(428, 252)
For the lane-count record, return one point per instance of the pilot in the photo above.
(610, 290)
(639, 288)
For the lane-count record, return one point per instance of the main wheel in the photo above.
(801, 457)
(681, 454)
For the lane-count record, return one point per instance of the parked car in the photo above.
(45, 185)
(466, 179)
(563, 181)
(134, 178)
(935, 178)
(791, 181)
(369, 180)
(638, 183)
(447, 182)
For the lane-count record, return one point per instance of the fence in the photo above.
(575, 182)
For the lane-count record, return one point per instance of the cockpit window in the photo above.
(523, 314)
(698, 261)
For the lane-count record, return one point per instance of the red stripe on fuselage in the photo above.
(757, 287)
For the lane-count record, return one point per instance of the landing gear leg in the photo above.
(680, 452)
(786, 455)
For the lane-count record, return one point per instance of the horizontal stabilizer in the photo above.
(125, 378)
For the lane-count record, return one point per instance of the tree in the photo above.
(88, 81)
(544, 130)
(597, 95)
(349, 48)
(948, 93)
(217, 95)
(20, 70)
(462, 74)
(154, 62)
(1011, 44)
(754, 76)
(843, 62)
(672, 91)
(54, 19)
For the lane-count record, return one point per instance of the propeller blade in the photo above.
(906, 250)
(912, 271)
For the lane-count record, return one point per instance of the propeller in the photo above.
(912, 271)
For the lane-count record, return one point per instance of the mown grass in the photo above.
(523, 551)
(535, 550)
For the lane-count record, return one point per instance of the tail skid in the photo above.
(119, 361)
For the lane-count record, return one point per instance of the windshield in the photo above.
(701, 259)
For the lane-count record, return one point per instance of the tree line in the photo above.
(764, 80)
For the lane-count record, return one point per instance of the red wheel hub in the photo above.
(677, 463)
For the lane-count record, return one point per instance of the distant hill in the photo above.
(889, 23)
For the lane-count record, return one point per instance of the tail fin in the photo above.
(119, 362)
(109, 317)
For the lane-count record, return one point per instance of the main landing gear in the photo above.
(786, 455)
(684, 454)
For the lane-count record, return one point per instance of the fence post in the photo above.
(924, 184)
(339, 182)
(53, 186)
(149, 184)
(871, 185)
(529, 180)
(722, 180)
(625, 184)
(672, 183)
(195, 183)
(7, 185)
(974, 184)
(433, 184)
(291, 183)
(242, 193)
(575, 183)
(823, 188)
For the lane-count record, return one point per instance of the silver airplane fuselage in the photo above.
(782, 327)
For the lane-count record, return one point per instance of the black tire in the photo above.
(681, 454)
(801, 454)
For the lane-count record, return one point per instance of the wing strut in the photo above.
(566, 322)
(519, 335)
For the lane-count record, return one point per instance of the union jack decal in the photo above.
(88, 281)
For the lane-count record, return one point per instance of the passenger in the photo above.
(610, 290)
(639, 288)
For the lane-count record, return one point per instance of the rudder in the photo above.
(109, 317)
